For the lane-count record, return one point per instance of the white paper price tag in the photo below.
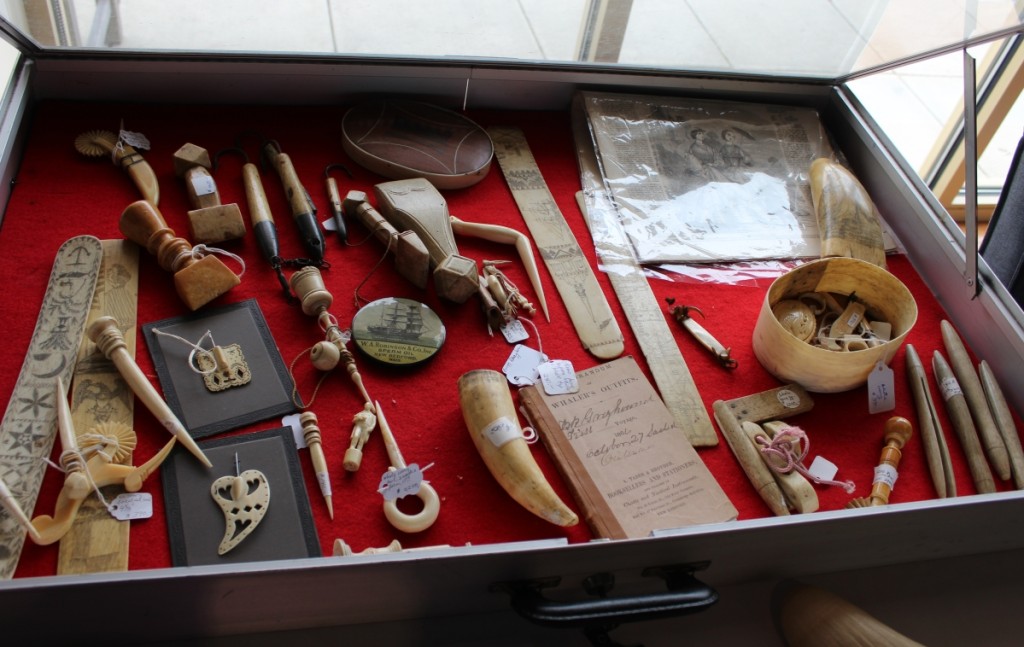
(822, 468)
(558, 377)
(292, 422)
(514, 332)
(132, 505)
(397, 483)
(881, 389)
(521, 366)
(203, 185)
(134, 139)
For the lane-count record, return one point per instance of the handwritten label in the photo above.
(788, 399)
(502, 431)
(514, 332)
(886, 475)
(324, 479)
(949, 388)
(397, 483)
(132, 505)
(521, 366)
(881, 389)
(203, 185)
(558, 377)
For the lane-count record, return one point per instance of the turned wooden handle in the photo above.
(143, 224)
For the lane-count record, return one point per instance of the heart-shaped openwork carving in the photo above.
(244, 499)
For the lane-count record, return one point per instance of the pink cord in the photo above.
(782, 458)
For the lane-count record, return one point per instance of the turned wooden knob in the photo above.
(308, 285)
(143, 224)
(898, 431)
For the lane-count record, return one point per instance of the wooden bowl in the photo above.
(818, 369)
(402, 139)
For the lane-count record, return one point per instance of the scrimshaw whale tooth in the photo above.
(494, 426)
(847, 218)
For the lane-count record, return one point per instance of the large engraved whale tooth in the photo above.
(494, 426)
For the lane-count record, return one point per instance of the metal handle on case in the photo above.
(600, 613)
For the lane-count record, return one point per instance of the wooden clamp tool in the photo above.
(936, 451)
(412, 260)
(197, 280)
(781, 402)
(416, 205)
(29, 422)
(209, 221)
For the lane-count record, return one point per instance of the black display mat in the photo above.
(203, 412)
(195, 523)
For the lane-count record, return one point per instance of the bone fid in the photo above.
(109, 340)
(988, 433)
(1004, 421)
(806, 616)
(494, 427)
(960, 418)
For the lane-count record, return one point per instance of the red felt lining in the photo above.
(60, 194)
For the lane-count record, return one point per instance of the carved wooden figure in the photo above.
(197, 279)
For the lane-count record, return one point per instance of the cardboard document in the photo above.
(630, 469)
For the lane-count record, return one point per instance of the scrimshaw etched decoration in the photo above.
(29, 424)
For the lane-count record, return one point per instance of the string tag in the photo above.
(823, 469)
(397, 483)
(521, 366)
(558, 377)
(514, 331)
(132, 505)
(134, 139)
(881, 389)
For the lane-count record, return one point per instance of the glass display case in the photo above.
(534, 57)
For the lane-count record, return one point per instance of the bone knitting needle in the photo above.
(960, 418)
(1004, 421)
(109, 340)
(311, 432)
(14, 509)
(962, 367)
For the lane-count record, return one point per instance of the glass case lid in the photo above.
(811, 39)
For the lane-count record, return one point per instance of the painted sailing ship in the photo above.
(401, 320)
